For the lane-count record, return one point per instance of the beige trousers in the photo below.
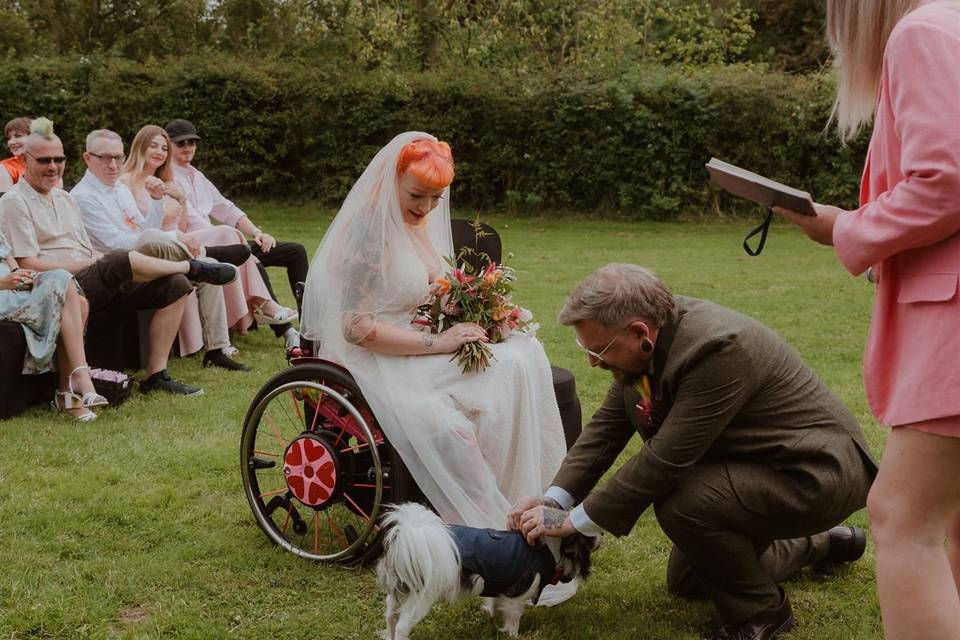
(213, 311)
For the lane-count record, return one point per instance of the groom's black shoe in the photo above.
(847, 544)
(769, 623)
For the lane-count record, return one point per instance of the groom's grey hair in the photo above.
(616, 294)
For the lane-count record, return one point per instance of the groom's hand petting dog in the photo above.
(425, 561)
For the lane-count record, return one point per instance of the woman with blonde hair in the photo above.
(248, 298)
(897, 64)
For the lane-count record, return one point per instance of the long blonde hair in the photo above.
(138, 153)
(858, 31)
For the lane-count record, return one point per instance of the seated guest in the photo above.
(206, 201)
(114, 223)
(52, 313)
(44, 229)
(749, 461)
(250, 298)
(13, 167)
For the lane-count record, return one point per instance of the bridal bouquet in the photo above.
(483, 298)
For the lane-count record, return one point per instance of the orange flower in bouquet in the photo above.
(484, 299)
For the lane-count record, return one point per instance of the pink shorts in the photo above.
(949, 426)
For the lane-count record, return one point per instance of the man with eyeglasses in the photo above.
(114, 223)
(749, 461)
(205, 202)
(43, 226)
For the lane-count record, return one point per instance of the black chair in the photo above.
(478, 244)
(19, 391)
(118, 339)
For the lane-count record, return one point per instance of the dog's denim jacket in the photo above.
(503, 559)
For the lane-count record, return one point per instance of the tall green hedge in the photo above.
(633, 146)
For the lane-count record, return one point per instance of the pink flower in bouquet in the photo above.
(450, 307)
(484, 299)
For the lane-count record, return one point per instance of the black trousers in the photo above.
(735, 555)
(291, 256)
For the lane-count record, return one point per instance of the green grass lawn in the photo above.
(135, 526)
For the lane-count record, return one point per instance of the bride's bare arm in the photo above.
(389, 339)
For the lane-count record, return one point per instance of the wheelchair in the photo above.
(317, 468)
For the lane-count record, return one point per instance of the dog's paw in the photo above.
(512, 629)
(490, 606)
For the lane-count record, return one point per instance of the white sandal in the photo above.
(283, 316)
(73, 400)
(66, 405)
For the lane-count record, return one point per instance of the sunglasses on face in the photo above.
(48, 159)
(186, 143)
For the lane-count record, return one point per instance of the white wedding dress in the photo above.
(474, 443)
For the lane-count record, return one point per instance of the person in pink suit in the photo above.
(899, 63)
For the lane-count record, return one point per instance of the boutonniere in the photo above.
(645, 405)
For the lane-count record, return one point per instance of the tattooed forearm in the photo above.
(427, 339)
(549, 502)
(553, 518)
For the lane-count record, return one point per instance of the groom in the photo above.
(748, 458)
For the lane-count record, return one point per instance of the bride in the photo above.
(474, 443)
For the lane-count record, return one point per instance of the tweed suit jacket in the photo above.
(731, 392)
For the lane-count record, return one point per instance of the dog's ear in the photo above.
(575, 551)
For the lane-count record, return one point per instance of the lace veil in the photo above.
(367, 268)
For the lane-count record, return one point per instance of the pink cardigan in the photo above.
(908, 225)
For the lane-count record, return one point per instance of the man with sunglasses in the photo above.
(43, 226)
(749, 461)
(205, 202)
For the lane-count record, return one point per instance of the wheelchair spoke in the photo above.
(337, 532)
(355, 505)
(296, 405)
(275, 429)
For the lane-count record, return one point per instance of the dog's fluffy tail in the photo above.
(420, 558)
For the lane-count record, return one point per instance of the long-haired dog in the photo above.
(425, 561)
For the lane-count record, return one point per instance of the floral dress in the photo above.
(38, 311)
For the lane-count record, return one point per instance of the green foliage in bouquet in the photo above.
(483, 298)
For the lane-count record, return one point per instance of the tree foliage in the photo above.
(397, 34)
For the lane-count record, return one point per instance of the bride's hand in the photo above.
(460, 334)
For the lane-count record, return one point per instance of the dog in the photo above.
(425, 561)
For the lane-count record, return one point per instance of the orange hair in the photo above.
(430, 162)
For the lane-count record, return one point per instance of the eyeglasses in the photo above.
(106, 158)
(185, 143)
(599, 354)
(48, 159)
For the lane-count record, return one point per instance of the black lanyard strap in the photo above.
(762, 230)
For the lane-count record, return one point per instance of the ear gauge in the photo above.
(646, 346)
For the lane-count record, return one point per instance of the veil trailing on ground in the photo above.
(367, 271)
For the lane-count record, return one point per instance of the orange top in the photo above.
(15, 166)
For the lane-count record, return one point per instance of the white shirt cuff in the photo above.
(582, 522)
(560, 495)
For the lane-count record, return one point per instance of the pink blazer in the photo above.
(908, 225)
